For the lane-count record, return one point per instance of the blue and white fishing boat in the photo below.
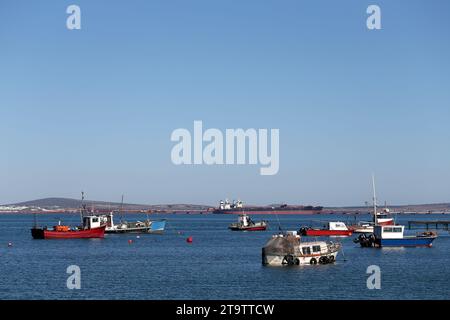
(392, 235)
(145, 226)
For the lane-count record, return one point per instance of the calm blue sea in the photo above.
(219, 264)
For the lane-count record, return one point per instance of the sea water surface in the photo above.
(219, 264)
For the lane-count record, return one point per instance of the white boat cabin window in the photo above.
(392, 229)
(316, 248)
(306, 250)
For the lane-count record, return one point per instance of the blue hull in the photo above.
(406, 242)
(157, 226)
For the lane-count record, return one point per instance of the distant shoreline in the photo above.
(72, 206)
(194, 212)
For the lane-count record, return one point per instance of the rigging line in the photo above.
(279, 224)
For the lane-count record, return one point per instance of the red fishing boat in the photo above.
(92, 228)
(331, 229)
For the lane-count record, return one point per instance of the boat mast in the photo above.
(82, 204)
(374, 200)
(121, 209)
(35, 219)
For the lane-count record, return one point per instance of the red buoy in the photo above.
(130, 241)
(189, 240)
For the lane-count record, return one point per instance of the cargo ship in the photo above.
(237, 207)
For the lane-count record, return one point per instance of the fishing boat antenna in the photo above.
(82, 206)
(374, 200)
(121, 210)
(279, 224)
(35, 219)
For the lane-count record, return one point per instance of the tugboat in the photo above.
(392, 235)
(331, 229)
(288, 249)
(92, 228)
(246, 224)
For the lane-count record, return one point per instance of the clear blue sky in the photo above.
(93, 109)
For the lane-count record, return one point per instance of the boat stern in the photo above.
(37, 233)
(157, 226)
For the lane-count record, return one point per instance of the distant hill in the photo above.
(54, 203)
(67, 203)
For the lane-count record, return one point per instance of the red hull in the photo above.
(79, 234)
(318, 233)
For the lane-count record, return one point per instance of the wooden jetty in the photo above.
(429, 224)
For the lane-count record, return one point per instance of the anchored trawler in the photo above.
(237, 207)
(92, 227)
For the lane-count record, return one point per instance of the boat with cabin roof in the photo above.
(392, 235)
(289, 249)
(146, 226)
(245, 223)
(332, 228)
(92, 227)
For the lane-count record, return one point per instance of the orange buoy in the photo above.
(189, 240)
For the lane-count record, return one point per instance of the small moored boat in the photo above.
(146, 226)
(246, 224)
(393, 236)
(362, 227)
(288, 249)
(331, 229)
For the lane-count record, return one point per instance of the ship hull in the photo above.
(327, 233)
(255, 228)
(306, 212)
(406, 242)
(155, 227)
(39, 233)
(279, 260)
